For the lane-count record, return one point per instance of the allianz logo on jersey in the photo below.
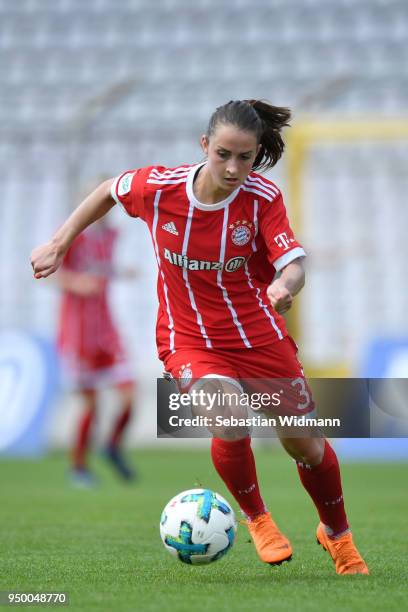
(183, 261)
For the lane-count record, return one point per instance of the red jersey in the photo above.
(87, 335)
(215, 260)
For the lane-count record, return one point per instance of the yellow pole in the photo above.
(299, 139)
(295, 159)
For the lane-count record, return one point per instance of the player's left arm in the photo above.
(283, 289)
(285, 253)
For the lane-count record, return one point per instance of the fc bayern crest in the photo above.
(186, 374)
(241, 234)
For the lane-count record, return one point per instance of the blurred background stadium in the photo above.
(100, 86)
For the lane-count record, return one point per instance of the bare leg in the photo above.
(82, 439)
(113, 450)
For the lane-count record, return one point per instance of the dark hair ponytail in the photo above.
(260, 117)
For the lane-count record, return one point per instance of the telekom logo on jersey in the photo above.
(183, 261)
(283, 241)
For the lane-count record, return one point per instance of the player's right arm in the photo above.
(46, 258)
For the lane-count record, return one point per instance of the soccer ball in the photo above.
(198, 526)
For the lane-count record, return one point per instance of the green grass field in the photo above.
(103, 547)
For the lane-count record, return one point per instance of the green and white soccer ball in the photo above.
(198, 526)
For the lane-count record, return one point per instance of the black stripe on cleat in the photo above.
(320, 544)
(280, 562)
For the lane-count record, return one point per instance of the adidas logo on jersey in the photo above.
(171, 228)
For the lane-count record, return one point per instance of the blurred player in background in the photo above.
(220, 232)
(91, 351)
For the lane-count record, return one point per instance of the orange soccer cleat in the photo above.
(271, 545)
(343, 552)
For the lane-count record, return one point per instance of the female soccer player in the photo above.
(90, 348)
(220, 233)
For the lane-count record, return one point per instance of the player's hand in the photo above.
(45, 259)
(279, 296)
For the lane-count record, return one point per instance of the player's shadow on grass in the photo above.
(261, 574)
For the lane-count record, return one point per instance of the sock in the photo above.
(119, 426)
(323, 483)
(82, 440)
(235, 463)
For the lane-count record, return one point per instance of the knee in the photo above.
(126, 392)
(229, 434)
(89, 400)
(311, 458)
(309, 451)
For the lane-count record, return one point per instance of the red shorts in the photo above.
(279, 360)
(96, 370)
(266, 363)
